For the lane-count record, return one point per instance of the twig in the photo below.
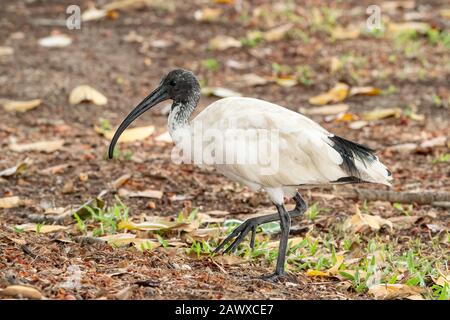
(442, 204)
(426, 197)
(88, 240)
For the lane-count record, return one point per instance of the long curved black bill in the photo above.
(157, 96)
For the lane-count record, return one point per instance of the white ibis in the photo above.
(307, 154)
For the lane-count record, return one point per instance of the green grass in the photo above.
(211, 64)
(367, 260)
(380, 261)
(401, 208)
(304, 75)
(443, 158)
(125, 155)
(105, 220)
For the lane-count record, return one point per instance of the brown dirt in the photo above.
(100, 57)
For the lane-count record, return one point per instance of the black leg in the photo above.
(250, 225)
(285, 223)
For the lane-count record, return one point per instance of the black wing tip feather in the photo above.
(349, 151)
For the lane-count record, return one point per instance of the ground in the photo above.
(125, 54)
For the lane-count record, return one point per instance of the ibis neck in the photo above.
(180, 113)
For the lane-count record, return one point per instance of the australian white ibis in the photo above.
(306, 153)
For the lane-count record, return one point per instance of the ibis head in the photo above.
(179, 85)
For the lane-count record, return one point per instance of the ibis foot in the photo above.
(240, 233)
(274, 277)
(252, 224)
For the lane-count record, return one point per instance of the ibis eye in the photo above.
(173, 83)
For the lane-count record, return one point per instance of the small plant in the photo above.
(162, 241)
(399, 207)
(18, 230)
(252, 40)
(304, 75)
(435, 37)
(376, 32)
(105, 124)
(128, 155)
(80, 223)
(39, 227)
(313, 211)
(279, 69)
(200, 248)
(211, 64)
(443, 158)
(390, 90)
(106, 218)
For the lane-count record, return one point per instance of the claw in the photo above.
(239, 233)
(274, 277)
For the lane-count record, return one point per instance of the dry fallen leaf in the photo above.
(6, 51)
(286, 81)
(42, 228)
(21, 291)
(219, 92)
(129, 135)
(207, 14)
(18, 169)
(445, 13)
(356, 125)
(403, 147)
(442, 280)
(206, 233)
(122, 4)
(379, 114)
(404, 222)
(316, 273)
(335, 269)
(346, 117)
(225, 1)
(335, 64)
(350, 32)
(120, 181)
(277, 33)
(229, 260)
(222, 42)
(21, 106)
(164, 137)
(119, 239)
(251, 80)
(291, 243)
(396, 28)
(337, 94)
(55, 169)
(393, 291)
(361, 222)
(326, 110)
(153, 194)
(218, 213)
(92, 14)
(368, 91)
(55, 41)
(86, 93)
(10, 202)
(42, 146)
(435, 142)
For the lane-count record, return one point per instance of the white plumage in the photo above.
(306, 153)
(261, 145)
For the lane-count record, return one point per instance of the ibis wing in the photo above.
(284, 148)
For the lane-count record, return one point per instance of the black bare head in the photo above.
(179, 85)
